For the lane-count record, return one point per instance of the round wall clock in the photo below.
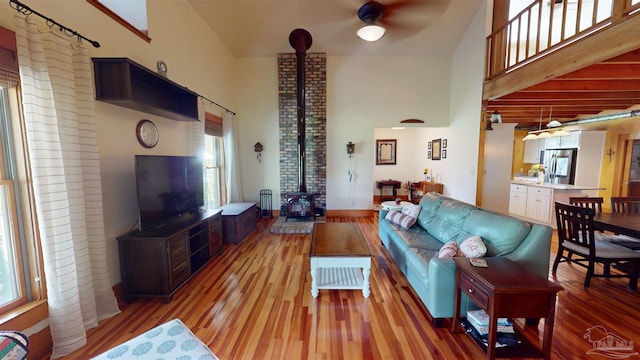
(162, 68)
(147, 133)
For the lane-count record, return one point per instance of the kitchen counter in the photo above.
(556, 186)
(536, 202)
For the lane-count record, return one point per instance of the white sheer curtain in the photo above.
(58, 103)
(231, 157)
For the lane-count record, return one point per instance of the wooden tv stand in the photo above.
(157, 262)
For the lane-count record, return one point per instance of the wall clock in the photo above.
(147, 133)
(162, 68)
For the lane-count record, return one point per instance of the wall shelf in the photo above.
(123, 82)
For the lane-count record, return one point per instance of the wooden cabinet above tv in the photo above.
(121, 81)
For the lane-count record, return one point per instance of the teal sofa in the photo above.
(442, 219)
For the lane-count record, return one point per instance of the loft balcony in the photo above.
(571, 59)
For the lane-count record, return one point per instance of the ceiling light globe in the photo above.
(371, 32)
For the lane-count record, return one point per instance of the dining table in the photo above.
(619, 223)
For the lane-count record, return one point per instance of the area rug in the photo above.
(171, 340)
(294, 226)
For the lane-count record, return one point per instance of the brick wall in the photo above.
(315, 118)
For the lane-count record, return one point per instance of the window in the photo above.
(14, 272)
(214, 171)
(214, 162)
(131, 14)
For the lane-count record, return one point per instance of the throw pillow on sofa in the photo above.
(401, 219)
(472, 247)
(411, 210)
(448, 250)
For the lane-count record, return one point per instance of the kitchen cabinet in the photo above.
(518, 200)
(538, 205)
(564, 142)
(532, 150)
(536, 202)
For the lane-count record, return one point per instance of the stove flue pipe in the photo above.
(300, 40)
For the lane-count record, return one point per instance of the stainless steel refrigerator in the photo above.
(560, 166)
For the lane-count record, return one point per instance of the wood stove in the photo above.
(300, 205)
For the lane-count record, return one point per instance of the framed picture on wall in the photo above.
(444, 143)
(444, 153)
(436, 149)
(429, 145)
(429, 154)
(386, 152)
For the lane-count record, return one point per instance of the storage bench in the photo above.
(238, 220)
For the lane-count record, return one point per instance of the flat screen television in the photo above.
(167, 187)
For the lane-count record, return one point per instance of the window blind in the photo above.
(9, 75)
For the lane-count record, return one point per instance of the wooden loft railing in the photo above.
(544, 27)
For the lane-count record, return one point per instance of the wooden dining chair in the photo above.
(576, 237)
(594, 203)
(625, 204)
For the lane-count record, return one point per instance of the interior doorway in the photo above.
(631, 180)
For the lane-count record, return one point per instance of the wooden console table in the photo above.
(393, 184)
(506, 289)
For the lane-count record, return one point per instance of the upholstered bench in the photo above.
(171, 340)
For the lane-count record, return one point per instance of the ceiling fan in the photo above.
(376, 16)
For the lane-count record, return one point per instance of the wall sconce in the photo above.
(351, 148)
(258, 148)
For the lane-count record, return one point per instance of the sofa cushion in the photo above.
(446, 226)
(472, 247)
(418, 261)
(448, 250)
(401, 219)
(429, 205)
(501, 234)
(411, 210)
(415, 236)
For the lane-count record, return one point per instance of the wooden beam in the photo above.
(614, 40)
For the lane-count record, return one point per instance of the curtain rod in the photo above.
(216, 104)
(25, 10)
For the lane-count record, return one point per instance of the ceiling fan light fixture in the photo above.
(371, 32)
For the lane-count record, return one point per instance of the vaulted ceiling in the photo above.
(431, 28)
(254, 28)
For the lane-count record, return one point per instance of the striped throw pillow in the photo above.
(401, 219)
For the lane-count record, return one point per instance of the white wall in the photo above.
(196, 59)
(364, 93)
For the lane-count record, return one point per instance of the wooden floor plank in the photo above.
(254, 302)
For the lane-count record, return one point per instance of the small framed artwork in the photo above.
(429, 145)
(386, 152)
(444, 153)
(444, 144)
(436, 149)
(429, 154)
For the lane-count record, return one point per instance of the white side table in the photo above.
(391, 205)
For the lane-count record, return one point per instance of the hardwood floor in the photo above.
(254, 302)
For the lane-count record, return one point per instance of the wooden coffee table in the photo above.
(340, 258)
(506, 289)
